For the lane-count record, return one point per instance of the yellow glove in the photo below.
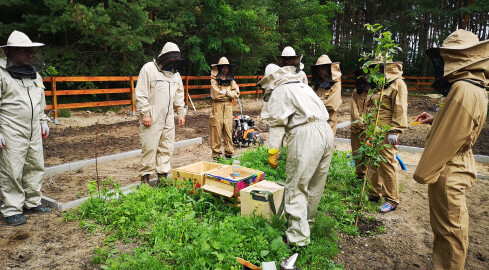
(272, 159)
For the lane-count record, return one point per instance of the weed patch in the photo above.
(174, 229)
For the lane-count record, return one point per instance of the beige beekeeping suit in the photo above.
(221, 119)
(393, 112)
(157, 94)
(295, 112)
(358, 106)
(330, 96)
(22, 107)
(447, 163)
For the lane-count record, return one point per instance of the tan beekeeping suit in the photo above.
(358, 105)
(393, 112)
(221, 119)
(295, 112)
(331, 96)
(447, 163)
(157, 94)
(22, 105)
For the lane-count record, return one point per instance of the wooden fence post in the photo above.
(133, 101)
(257, 87)
(186, 90)
(55, 99)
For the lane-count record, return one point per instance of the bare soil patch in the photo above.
(49, 242)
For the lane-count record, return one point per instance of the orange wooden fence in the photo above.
(348, 81)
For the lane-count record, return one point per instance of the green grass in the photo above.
(173, 229)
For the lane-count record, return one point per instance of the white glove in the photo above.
(223, 92)
(392, 138)
(2, 141)
(44, 130)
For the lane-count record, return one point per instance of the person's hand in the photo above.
(2, 141)
(146, 120)
(44, 130)
(272, 159)
(223, 92)
(425, 118)
(181, 121)
(392, 139)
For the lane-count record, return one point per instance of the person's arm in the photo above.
(334, 100)
(355, 114)
(399, 121)
(279, 112)
(179, 103)
(217, 93)
(451, 133)
(234, 92)
(141, 94)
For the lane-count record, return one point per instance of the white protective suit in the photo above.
(296, 112)
(22, 107)
(157, 94)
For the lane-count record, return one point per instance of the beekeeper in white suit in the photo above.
(23, 124)
(159, 91)
(295, 112)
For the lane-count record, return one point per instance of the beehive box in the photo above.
(258, 199)
(222, 182)
(192, 176)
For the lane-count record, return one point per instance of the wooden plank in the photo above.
(93, 79)
(93, 104)
(92, 91)
(208, 86)
(49, 107)
(48, 93)
(250, 92)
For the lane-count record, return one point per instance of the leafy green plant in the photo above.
(374, 132)
(64, 113)
(170, 228)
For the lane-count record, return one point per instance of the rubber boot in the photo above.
(145, 179)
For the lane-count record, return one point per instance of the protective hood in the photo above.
(170, 58)
(361, 83)
(276, 76)
(21, 40)
(461, 51)
(216, 70)
(393, 71)
(333, 72)
(290, 52)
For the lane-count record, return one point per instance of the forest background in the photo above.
(116, 37)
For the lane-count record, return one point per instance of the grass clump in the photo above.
(174, 229)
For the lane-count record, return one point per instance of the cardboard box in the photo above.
(222, 182)
(192, 176)
(257, 198)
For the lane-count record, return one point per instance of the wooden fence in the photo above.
(191, 83)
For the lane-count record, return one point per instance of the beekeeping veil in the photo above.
(361, 83)
(18, 39)
(461, 51)
(333, 72)
(170, 58)
(392, 71)
(289, 52)
(276, 76)
(216, 70)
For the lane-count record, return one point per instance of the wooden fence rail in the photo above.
(348, 81)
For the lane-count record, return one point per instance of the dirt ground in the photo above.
(48, 242)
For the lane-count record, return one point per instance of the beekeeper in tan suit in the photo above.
(326, 80)
(223, 91)
(447, 164)
(23, 125)
(159, 91)
(358, 106)
(290, 58)
(393, 112)
(295, 112)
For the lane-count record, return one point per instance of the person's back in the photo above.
(296, 113)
